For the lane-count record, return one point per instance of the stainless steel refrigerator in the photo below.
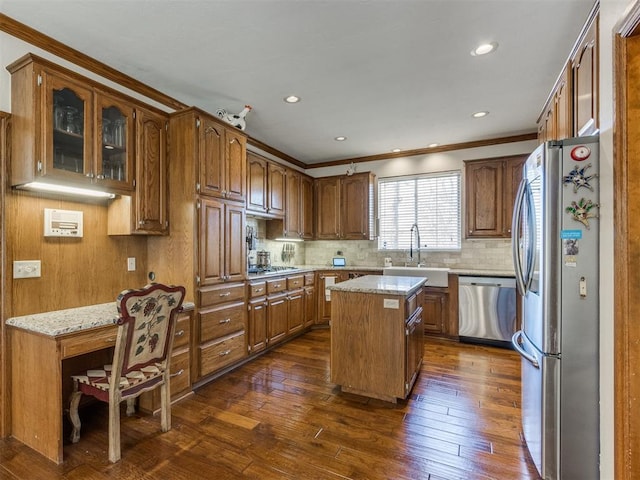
(555, 252)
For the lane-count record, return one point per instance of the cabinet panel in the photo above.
(295, 311)
(433, 312)
(327, 201)
(276, 190)
(355, 205)
(150, 196)
(277, 317)
(219, 354)
(585, 73)
(292, 213)
(256, 183)
(309, 306)
(235, 165)
(491, 186)
(235, 244)
(306, 213)
(211, 241)
(257, 325)
(219, 321)
(114, 141)
(212, 151)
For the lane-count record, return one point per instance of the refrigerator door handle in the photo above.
(516, 247)
(515, 341)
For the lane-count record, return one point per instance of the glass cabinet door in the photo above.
(67, 129)
(114, 142)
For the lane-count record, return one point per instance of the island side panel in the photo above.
(367, 344)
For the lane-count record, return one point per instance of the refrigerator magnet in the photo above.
(581, 211)
(578, 178)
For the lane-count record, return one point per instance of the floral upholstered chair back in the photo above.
(151, 315)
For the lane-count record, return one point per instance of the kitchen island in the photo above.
(377, 335)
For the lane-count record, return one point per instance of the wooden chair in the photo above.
(140, 360)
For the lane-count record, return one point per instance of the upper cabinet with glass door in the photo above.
(69, 130)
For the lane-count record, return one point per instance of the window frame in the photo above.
(416, 177)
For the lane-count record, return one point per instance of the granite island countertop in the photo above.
(61, 322)
(380, 284)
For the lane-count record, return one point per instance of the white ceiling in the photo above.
(384, 73)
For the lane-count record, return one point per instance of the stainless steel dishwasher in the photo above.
(487, 310)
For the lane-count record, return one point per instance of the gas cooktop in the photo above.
(272, 269)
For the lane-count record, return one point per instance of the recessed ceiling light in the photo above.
(484, 49)
(292, 99)
(340, 138)
(479, 114)
(396, 150)
(431, 145)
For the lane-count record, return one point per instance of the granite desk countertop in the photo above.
(380, 284)
(61, 322)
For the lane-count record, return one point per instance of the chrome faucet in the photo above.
(415, 227)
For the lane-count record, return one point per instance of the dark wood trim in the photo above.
(427, 150)
(626, 173)
(51, 45)
(5, 418)
(277, 153)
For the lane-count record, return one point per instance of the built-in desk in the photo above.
(38, 345)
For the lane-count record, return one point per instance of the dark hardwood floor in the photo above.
(279, 417)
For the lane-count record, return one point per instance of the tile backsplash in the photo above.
(489, 254)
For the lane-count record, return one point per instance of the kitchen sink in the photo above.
(438, 277)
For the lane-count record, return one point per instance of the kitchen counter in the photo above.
(380, 284)
(60, 322)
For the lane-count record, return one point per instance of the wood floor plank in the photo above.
(280, 417)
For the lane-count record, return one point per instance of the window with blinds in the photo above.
(432, 201)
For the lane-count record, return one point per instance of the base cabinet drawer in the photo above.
(220, 353)
(221, 294)
(221, 321)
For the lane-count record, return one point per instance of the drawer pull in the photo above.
(110, 339)
(225, 294)
(180, 333)
(178, 373)
(226, 320)
(258, 290)
(225, 353)
(277, 285)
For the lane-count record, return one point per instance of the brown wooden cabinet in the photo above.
(65, 128)
(257, 325)
(572, 107)
(145, 211)
(324, 296)
(277, 316)
(435, 307)
(265, 187)
(345, 207)
(221, 246)
(490, 194)
(221, 328)
(298, 216)
(584, 65)
(222, 159)
(376, 355)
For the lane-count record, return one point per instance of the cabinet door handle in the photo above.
(100, 177)
(277, 285)
(226, 320)
(178, 373)
(180, 333)
(225, 353)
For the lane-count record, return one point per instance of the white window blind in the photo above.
(431, 201)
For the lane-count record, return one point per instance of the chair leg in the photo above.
(114, 431)
(131, 406)
(165, 407)
(73, 414)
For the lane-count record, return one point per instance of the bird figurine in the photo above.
(235, 119)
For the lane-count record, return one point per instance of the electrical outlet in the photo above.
(26, 269)
(131, 264)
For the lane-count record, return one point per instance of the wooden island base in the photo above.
(377, 335)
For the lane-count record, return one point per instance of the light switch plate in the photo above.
(131, 264)
(26, 269)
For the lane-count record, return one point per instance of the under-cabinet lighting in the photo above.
(289, 239)
(52, 187)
